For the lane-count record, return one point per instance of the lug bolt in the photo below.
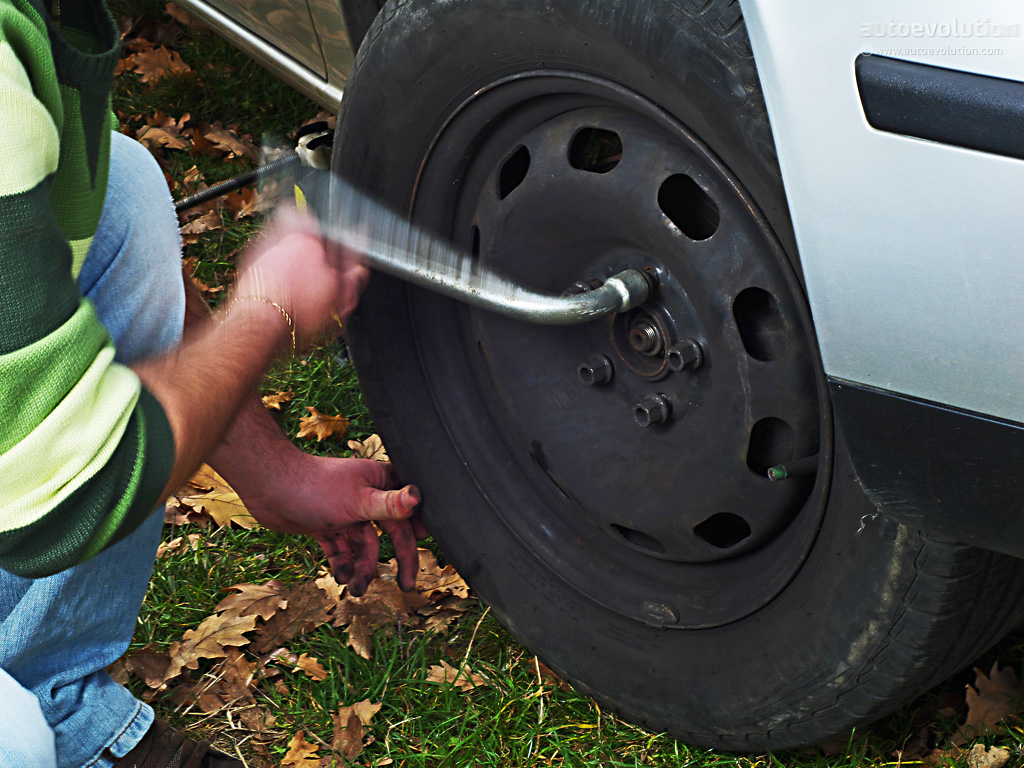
(686, 355)
(597, 370)
(653, 409)
(645, 338)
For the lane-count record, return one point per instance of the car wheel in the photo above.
(603, 487)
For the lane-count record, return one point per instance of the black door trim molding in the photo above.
(944, 105)
(950, 472)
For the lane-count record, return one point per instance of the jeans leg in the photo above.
(26, 739)
(57, 634)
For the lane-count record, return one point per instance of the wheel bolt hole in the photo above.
(760, 324)
(640, 540)
(724, 530)
(595, 150)
(689, 207)
(513, 172)
(771, 443)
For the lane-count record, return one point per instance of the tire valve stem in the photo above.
(797, 468)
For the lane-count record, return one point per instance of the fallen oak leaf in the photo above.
(981, 756)
(230, 143)
(186, 543)
(242, 202)
(155, 137)
(308, 608)
(156, 63)
(993, 698)
(328, 584)
(432, 580)
(312, 667)
(384, 603)
(370, 448)
(208, 641)
(210, 221)
(275, 400)
(149, 665)
(179, 14)
(465, 679)
(300, 754)
(208, 491)
(305, 663)
(348, 728)
(320, 425)
(263, 600)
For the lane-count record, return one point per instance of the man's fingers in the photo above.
(365, 548)
(339, 556)
(406, 552)
(419, 528)
(391, 505)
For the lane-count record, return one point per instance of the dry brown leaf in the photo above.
(263, 600)
(300, 754)
(229, 684)
(242, 202)
(370, 448)
(464, 679)
(180, 15)
(176, 514)
(359, 637)
(348, 727)
(227, 141)
(191, 179)
(210, 221)
(149, 665)
(274, 401)
(207, 491)
(547, 675)
(433, 580)
(312, 667)
(208, 641)
(320, 425)
(993, 698)
(153, 137)
(308, 607)
(156, 63)
(383, 604)
(437, 616)
(327, 583)
(179, 544)
(981, 756)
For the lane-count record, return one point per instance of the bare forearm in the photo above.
(203, 383)
(253, 449)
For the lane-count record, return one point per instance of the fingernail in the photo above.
(412, 496)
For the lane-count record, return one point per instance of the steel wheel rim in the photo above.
(664, 574)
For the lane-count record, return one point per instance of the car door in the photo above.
(286, 24)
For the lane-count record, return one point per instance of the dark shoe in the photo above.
(164, 747)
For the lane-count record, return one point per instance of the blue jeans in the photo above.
(58, 707)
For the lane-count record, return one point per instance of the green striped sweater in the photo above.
(84, 449)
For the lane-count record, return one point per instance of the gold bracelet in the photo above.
(275, 305)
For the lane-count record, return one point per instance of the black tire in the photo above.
(833, 615)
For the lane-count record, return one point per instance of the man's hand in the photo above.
(332, 500)
(318, 285)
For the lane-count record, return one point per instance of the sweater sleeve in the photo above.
(84, 450)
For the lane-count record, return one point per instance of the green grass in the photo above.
(515, 721)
